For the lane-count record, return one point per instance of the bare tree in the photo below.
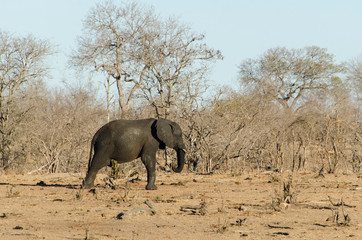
(288, 76)
(138, 50)
(355, 79)
(178, 62)
(355, 73)
(21, 61)
(108, 45)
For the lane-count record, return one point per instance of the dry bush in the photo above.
(238, 133)
(233, 133)
(286, 194)
(56, 134)
(278, 122)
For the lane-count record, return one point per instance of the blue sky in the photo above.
(241, 29)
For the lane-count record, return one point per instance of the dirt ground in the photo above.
(185, 206)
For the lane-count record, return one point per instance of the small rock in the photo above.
(178, 184)
(41, 183)
(135, 211)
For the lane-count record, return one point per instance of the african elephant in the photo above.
(126, 140)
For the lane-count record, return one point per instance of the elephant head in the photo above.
(170, 134)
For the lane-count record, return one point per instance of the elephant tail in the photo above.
(90, 154)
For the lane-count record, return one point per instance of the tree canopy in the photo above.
(143, 52)
(287, 76)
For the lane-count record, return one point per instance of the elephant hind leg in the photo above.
(97, 163)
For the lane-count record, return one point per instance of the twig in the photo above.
(195, 209)
(341, 203)
(280, 227)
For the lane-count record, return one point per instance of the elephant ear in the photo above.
(164, 130)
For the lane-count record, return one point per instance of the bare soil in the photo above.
(185, 206)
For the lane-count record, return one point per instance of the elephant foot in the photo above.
(151, 187)
(87, 185)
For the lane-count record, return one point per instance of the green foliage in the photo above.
(115, 170)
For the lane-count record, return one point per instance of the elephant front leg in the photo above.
(150, 163)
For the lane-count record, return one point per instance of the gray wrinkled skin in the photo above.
(126, 140)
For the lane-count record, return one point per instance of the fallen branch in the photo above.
(195, 209)
(341, 203)
(279, 227)
(36, 170)
(135, 211)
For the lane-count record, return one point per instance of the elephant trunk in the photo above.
(180, 161)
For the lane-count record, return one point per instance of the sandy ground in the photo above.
(185, 206)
